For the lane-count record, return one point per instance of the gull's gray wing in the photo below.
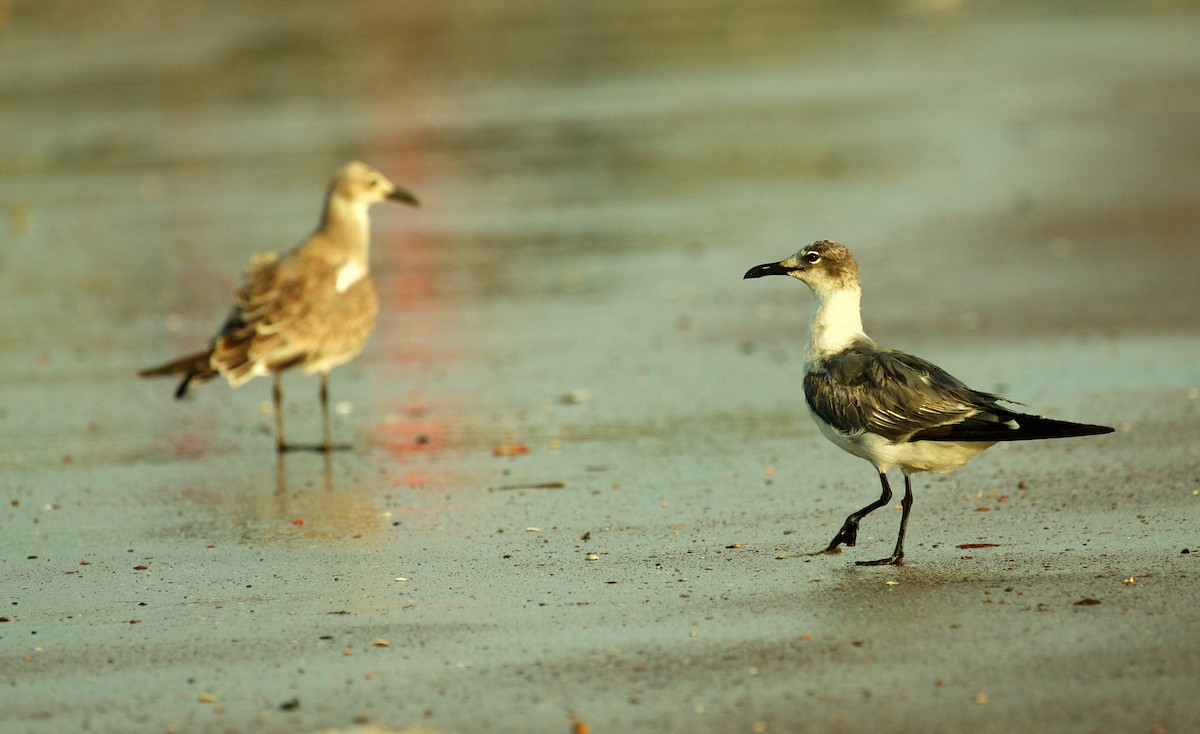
(901, 397)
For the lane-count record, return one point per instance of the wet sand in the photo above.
(1020, 185)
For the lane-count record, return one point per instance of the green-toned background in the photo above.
(1020, 182)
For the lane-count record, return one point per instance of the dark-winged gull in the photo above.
(891, 408)
(312, 307)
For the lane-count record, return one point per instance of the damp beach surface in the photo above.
(583, 481)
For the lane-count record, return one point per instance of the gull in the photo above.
(891, 408)
(312, 307)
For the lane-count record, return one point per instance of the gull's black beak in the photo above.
(759, 271)
(405, 196)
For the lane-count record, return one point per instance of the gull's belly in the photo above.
(916, 456)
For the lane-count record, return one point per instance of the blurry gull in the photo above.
(888, 407)
(312, 307)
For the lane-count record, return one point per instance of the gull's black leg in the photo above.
(325, 446)
(905, 507)
(277, 398)
(848, 535)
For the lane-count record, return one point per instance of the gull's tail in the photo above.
(194, 368)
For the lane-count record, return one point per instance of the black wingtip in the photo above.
(1027, 428)
(1051, 428)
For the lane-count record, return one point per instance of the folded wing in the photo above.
(905, 398)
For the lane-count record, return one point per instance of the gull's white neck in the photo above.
(835, 324)
(346, 223)
(347, 229)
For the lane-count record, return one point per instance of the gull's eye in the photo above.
(812, 257)
(373, 181)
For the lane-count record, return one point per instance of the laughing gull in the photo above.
(312, 307)
(888, 407)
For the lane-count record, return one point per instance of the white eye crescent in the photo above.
(812, 257)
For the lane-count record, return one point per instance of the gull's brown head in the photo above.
(824, 265)
(359, 183)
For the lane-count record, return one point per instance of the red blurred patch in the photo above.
(414, 436)
(189, 445)
(510, 449)
(416, 479)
